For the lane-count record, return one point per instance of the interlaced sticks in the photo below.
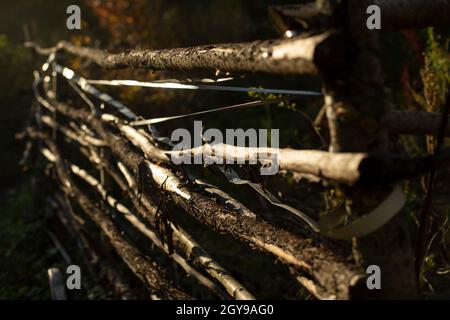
(361, 227)
(245, 233)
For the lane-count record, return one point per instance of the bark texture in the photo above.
(356, 109)
(291, 56)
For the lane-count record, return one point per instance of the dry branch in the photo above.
(192, 249)
(342, 167)
(142, 142)
(291, 56)
(315, 260)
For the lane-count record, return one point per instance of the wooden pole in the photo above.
(356, 108)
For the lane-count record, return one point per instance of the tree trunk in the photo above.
(355, 109)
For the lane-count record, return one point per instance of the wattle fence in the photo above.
(115, 168)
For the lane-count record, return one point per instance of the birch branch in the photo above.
(340, 167)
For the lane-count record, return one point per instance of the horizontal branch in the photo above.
(398, 121)
(290, 56)
(344, 168)
(339, 167)
(416, 123)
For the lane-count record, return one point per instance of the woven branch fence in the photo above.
(120, 176)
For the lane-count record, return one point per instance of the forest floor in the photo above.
(26, 251)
